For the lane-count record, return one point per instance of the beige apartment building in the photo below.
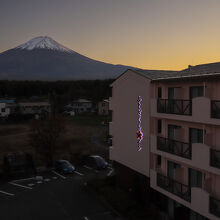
(177, 155)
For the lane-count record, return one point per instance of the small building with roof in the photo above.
(79, 106)
(103, 107)
(7, 107)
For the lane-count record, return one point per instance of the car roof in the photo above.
(95, 156)
(62, 161)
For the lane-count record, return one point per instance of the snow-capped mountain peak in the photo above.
(44, 42)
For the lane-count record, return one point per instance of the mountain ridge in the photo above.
(42, 58)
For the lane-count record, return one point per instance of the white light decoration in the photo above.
(139, 133)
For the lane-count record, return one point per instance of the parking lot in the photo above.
(52, 195)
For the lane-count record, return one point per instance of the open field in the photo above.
(83, 135)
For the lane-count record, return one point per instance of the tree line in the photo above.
(94, 90)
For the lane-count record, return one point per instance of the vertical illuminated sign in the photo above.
(139, 133)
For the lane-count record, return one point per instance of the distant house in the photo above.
(7, 107)
(80, 106)
(103, 107)
(33, 108)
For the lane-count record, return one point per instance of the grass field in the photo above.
(83, 135)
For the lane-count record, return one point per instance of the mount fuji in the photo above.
(42, 58)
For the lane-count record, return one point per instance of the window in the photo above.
(159, 126)
(110, 92)
(158, 161)
(159, 92)
(3, 109)
(171, 166)
(195, 135)
(110, 115)
(196, 91)
(195, 178)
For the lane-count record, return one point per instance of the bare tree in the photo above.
(45, 135)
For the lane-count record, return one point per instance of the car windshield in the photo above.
(65, 164)
(100, 161)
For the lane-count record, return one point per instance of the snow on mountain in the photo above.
(44, 42)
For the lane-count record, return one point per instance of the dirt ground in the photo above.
(83, 135)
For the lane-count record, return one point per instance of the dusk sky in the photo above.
(150, 34)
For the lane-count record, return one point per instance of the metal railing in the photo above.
(174, 106)
(174, 187)
(174, 147)
(215, 109)
(214, 206)
(215, 158)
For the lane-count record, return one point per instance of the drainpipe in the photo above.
(204, 89)
(203, 134)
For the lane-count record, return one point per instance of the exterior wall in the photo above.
(135, 183)
(124, 123)
(201, 152)
(33, 108)
(123, 102)
(212, 89)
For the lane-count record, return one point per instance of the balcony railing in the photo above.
(174, 106)
(215, 158)
(215, 109)
(172, 186)
(214, 206)
(174, 147)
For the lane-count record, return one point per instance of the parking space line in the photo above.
(59, 174)
(110, 172)
(19, 185)
(20, 180)
(79, 173)
(87, 167)
(6, 193)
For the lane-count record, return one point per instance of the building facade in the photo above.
(103, 107)
(80, 106)
(171, 136)
(33, 108)
(7, 107)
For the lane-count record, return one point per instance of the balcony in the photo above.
(214, 206)
(174, 187)
(187, 110)
(177, 148)
(174, 106)
(215, 158)
(195, 198)
(215, 109)
(196, 154)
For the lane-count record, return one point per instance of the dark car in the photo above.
(64, 166)
(96, 162)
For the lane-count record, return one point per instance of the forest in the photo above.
(94, 90)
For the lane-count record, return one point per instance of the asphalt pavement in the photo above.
(53, 196)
